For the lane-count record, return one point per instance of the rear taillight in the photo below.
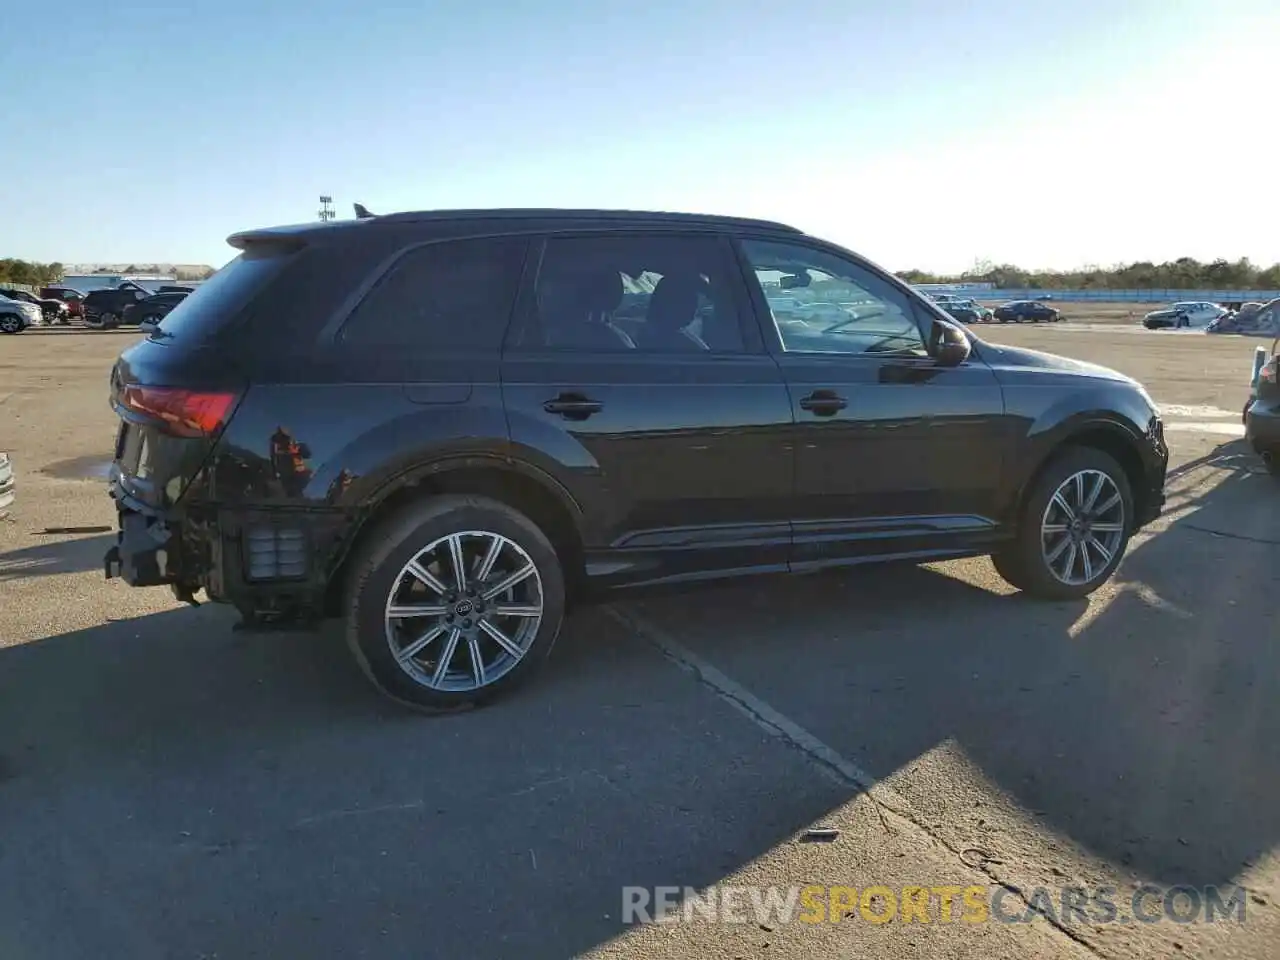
(184, 413)
(1268, 372)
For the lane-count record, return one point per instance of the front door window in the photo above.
(823, 303)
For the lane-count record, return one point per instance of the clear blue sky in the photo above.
(924, 134)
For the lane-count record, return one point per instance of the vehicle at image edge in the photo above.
(152, 309)
(1187, 313)
(70, 296)
(1026, 311)
(17, 315)
(969, 311)
(437, 427)
(51, 309)
(105, 308)
(1262, 413)
(8, 485)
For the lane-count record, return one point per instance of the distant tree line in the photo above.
(179, 274)
(1181, 274)
(28, 272)
(33, 274)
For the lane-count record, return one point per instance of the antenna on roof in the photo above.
(362, 212)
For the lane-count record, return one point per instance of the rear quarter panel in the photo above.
(337, 446)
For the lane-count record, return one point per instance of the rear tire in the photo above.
(1050, 560)
(11, 324)
(393, 572)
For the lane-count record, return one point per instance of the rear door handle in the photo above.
(573, 406)
(824, 403)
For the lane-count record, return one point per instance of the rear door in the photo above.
(894, 453)
(632, 376)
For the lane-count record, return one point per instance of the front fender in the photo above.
(1118, 412)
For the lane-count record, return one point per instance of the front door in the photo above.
(631, 375)
(895, 454)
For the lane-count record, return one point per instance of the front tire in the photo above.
(453, 602)
(1073, 529)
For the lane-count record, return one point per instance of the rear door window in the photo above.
(654, 293)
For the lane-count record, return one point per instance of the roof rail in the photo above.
(552, 213)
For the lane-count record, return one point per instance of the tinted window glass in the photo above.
(658, 294)
(843, 307)
(455, 295)
(222, 296)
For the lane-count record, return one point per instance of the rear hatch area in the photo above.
(174, 393)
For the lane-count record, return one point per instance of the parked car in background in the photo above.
(51, 310)
(969, 311)
(152, 309)
(104, 309)
(70, 296)
(1262, 416)
(390, 421)
(7, 485)
(17, 315)
(1187, 313)
(1252, 319)
(1026, 311)
(824, 313)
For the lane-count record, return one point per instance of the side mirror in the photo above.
(792, 281)
(949, 346)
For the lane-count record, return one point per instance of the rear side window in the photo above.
(454, 295)
(651, 293)
(223, 295)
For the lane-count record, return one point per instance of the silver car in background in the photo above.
(16, 316)
(6, 485)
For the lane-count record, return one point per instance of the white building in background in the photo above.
(85, 282)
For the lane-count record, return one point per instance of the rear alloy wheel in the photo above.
(453, 602)
(10, 324)
(1073, 529)
(108, 321)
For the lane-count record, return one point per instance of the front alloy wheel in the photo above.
(1072, 527)
(1082, 527)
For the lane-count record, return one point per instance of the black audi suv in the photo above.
(445, 428)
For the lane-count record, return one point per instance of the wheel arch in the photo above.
(532, 491)
(1112, 438)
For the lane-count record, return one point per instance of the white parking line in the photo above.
(756, 710)
(1205, 426)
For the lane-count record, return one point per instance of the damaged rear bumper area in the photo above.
(272, 565)
(141, 555)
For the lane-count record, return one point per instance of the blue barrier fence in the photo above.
(1130, 296)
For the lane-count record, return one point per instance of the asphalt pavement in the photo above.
(171, 788)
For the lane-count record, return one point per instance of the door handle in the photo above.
(824, 403)
(573, 406)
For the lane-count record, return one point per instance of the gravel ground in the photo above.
(170, 788)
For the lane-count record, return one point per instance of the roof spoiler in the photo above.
(362, 212)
